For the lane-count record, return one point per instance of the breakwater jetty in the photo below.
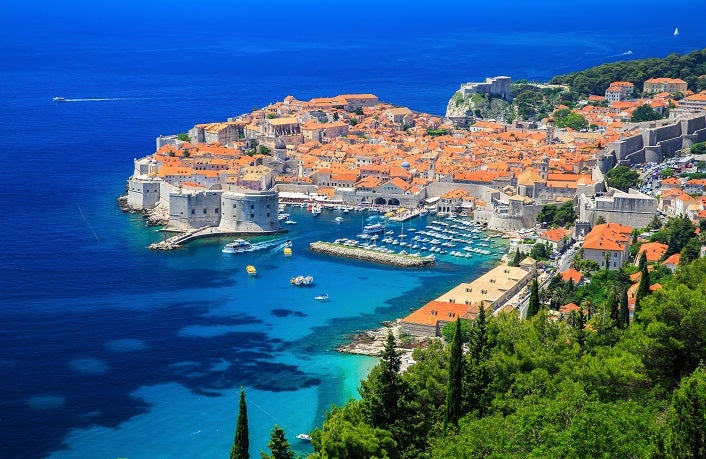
(359, 253)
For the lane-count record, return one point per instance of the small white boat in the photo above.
(237, 246)
(322, 297)
(301, 280)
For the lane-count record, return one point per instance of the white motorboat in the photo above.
(237, 246)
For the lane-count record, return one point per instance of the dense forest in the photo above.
(595, 383)
(595, 80)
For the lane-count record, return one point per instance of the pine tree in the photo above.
(454, 385)
(241, 442)
(279, 446)
(476, 377)
(479, 336)
(624, 313)
(685, 433)
(578, 322)
(517, 258)
(612, 305)
(533, 306)
(383, 389)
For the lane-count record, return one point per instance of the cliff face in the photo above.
(480, 106)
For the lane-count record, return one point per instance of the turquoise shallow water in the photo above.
(175, 358)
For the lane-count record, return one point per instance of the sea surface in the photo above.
(110, 350)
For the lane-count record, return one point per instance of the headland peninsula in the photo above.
(354, 152)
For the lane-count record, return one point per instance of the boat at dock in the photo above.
(237, 246)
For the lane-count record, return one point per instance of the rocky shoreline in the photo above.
(372, 342)
(157, 216)
(394, 259)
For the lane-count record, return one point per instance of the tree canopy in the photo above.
(596, 80)
(589, 384)
(644, 113)
(622, 178)
(564, 117)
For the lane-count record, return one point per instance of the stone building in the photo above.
(492, 290)
(608, 243)
(250, 212)
(633, 208)
(194, 209)
(497, 86)
(655, 85)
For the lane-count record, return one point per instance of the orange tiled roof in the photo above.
(573, 275)
(652, 250)
(434, 311)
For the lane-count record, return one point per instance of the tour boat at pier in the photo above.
(237, 246)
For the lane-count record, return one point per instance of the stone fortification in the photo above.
(339, 250)
(632, 209)
(654, 142)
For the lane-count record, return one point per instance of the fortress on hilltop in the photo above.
(496, 86)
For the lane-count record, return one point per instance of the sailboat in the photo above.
(676, 32)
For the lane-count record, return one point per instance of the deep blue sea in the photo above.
(110, 350)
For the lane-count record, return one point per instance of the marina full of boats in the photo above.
(452, 236)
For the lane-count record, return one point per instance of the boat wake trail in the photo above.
(103, 99)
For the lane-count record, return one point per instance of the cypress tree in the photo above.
(642, 262)
(533, 306)
(624, 313)
(644, 288)
(612, 305)
(241, 442)
(479, 337)
(453, 388)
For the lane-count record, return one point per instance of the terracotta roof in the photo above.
(652, 250)
(434, 311)
(573, 275)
